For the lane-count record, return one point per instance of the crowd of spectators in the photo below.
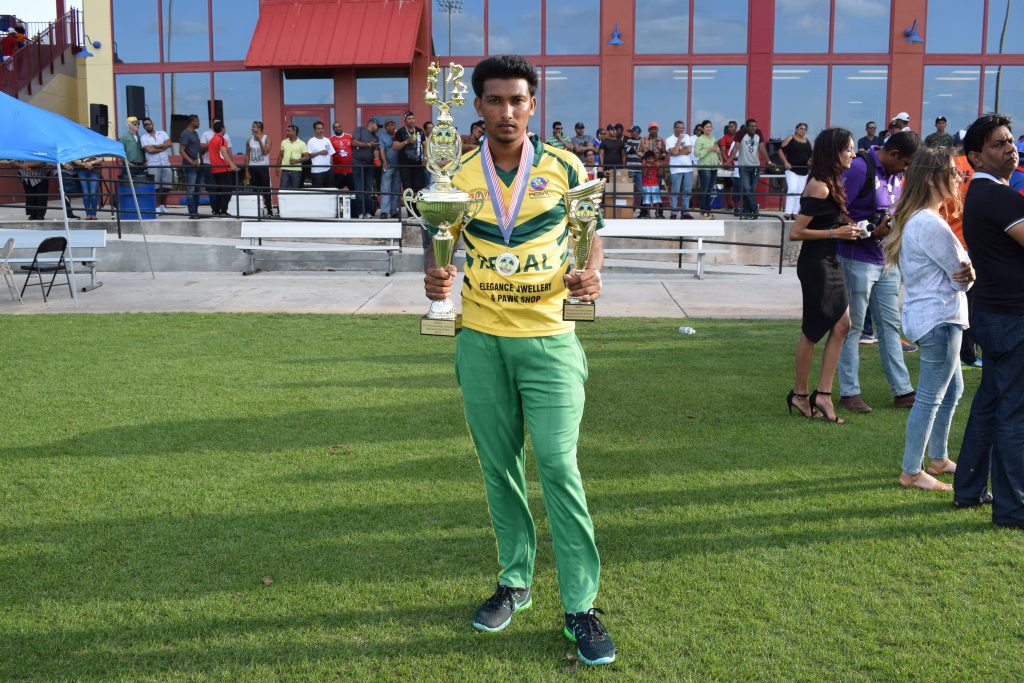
(668, 177)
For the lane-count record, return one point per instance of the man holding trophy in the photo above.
(518, 360)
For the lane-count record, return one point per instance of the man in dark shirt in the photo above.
(365, 148)
(994, 231)
(940, 138)
(191, 161)
(409, 141)
(872, 139)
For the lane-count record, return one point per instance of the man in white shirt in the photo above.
(680, 166)
(155, 144)
(320, 152)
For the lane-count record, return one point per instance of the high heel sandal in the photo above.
(789, 401)
(814, 406)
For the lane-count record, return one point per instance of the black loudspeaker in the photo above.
(135, 101)
(179, 122)
(98, 118)
(215, 108)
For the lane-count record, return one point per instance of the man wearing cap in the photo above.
(8, 45)
(365, 150)
(558, 139)
(583, 143)
(133, 153)
(940, 138)
(408, 143)
(902, 121)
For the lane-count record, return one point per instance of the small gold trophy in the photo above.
(583, 202)
(442, 209)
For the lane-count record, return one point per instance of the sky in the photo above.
(35, 10)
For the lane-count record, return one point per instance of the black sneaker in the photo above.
(496, 612)
(593, 644)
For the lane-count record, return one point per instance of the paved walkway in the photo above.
(725, 292)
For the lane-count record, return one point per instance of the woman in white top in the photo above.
(936, 273)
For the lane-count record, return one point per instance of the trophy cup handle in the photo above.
(409, 199)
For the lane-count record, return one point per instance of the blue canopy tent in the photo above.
(32, 134)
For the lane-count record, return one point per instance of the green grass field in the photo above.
(275, 497)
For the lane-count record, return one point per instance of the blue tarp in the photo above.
(29, 133)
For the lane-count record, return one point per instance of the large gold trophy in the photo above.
(443, 209)
(583, 203)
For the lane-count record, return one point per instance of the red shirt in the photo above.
(342, 158)
(217, 163)
(8, 45)
(650, 176)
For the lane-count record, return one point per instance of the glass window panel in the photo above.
(801, 26)
(135, 25)
(185, 94)
(962, 35)
(467, 27)
(382, 90)
(241, 95)
(571, 95)
(1010, 81)
(235, 21)
(862, 26)
(798, 95)
(151, 83)
(662, 26)
(186, 31)
(465, 115)
(659, 94)
(718, 95)
(858, 96)
(720, 26)
(513, 27)
(1013, 41)
(311, 90)
(573, 27)
(950, 91)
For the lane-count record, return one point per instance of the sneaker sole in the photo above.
(589, 662)
(502, 626)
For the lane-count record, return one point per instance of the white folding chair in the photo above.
(5, 268)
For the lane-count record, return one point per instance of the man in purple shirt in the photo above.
(869, 284)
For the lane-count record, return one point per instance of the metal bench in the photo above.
(306, 236)
(632, 228)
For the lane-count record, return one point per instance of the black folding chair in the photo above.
(51, 245)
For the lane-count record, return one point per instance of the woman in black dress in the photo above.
(822, 221)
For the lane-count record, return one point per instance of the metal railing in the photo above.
(27, 67)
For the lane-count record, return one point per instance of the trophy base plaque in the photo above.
(579, 312)
(440, 327)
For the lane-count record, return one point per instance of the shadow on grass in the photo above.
(284, 431)
(329, 643)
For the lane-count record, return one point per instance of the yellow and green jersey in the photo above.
(527, 303)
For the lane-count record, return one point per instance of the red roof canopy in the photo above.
(317, 33)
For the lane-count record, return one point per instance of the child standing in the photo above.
(650, 183)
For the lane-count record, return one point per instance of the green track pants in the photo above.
(510, 384)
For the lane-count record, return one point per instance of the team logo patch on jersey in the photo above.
(538, 184)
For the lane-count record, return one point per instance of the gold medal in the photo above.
(507, 264)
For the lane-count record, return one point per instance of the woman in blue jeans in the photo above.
(936, 273)
(89, 178)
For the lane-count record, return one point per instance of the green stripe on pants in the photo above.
(510, 384)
